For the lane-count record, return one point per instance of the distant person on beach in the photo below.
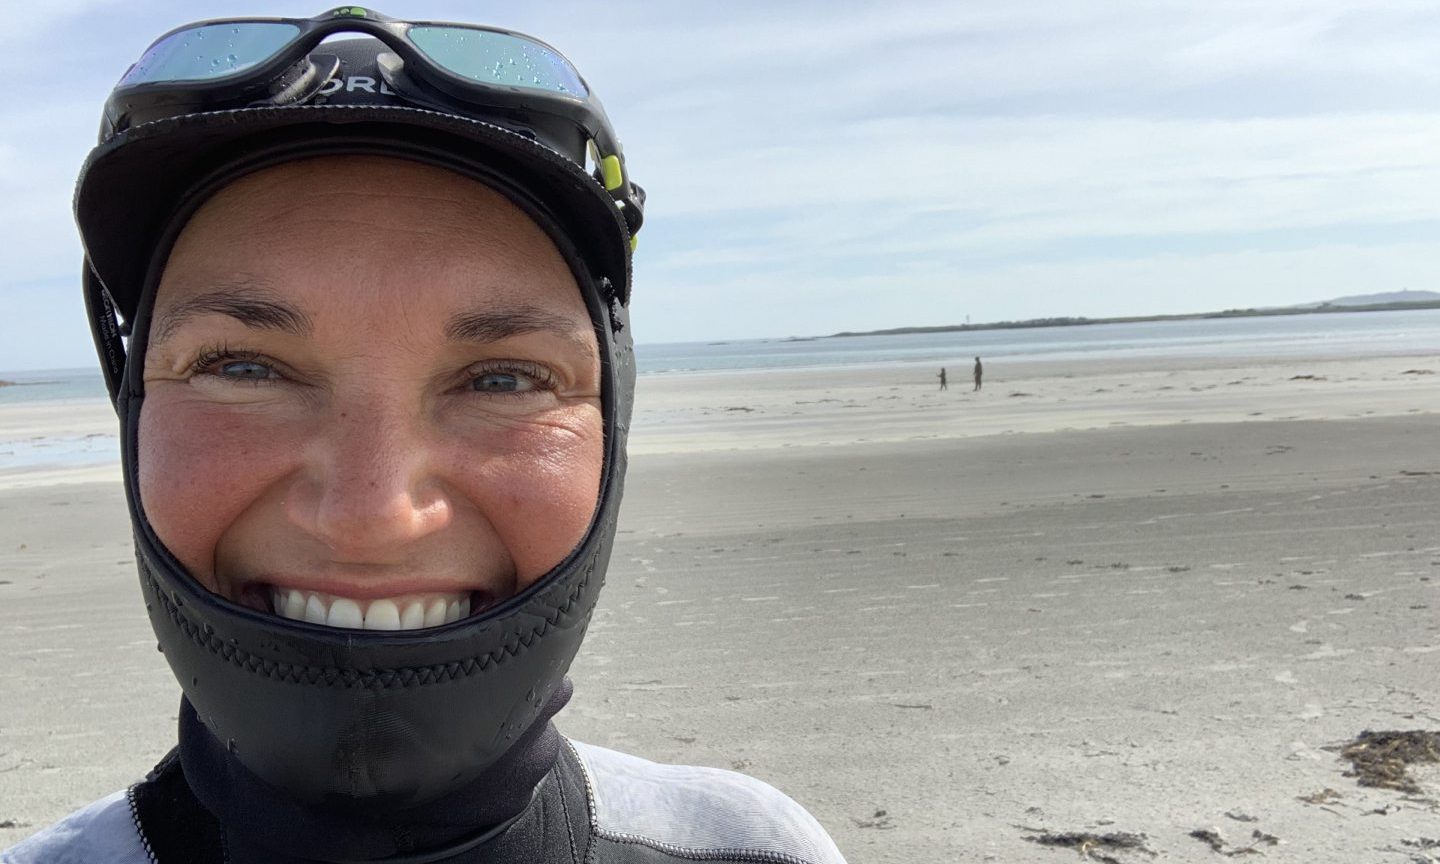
(374, 382)
(943, 386)
(979, 370)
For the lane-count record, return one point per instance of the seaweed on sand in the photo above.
(1089, 845)
(1380, 759)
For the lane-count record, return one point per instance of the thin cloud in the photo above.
(807, 157)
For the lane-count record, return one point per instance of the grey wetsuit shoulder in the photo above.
(597, 806)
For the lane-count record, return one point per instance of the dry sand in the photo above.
(1140, 602)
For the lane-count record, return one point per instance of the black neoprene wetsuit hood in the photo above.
(384, 721)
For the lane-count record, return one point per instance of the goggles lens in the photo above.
(210, 51)
(216, 50)
(497, 58)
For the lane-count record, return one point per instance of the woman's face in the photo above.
(372, 396)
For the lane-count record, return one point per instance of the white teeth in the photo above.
(314, 610)
(382, 615)
(435, 612)
(345, 612)
(408, 612)
(294, 604)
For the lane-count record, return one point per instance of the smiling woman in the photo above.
(402, 427)
(371, 355)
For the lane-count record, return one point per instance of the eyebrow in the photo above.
(484, 325)
(250, 303)
(256, 305)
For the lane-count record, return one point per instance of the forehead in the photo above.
(368, 232)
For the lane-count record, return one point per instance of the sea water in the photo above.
(1349, 334)
(51, 385)
(54, 387)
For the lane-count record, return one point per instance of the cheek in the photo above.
(541, 496)
(198, 472)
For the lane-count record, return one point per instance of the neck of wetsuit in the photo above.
(262, 824)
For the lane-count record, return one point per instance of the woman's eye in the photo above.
(517, 378)
(235, 366)
(502, 382)
(245, 370)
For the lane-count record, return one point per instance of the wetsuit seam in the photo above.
(565, 816)
(389, 678)
(590, 802)
(139, 829)
(751, 856)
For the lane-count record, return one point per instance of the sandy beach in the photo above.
(1095, 605)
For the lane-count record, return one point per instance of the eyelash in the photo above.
(543, 378)
(210, 358)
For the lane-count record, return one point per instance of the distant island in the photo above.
(1387, 302)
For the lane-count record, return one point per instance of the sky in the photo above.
(823, 165)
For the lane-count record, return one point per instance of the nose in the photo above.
(369, 488)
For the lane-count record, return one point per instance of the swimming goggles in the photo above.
(484, 73)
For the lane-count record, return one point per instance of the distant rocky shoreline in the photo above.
(1321, 309)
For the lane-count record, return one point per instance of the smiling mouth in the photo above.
(401, 612)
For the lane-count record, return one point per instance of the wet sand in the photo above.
(945, 622)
